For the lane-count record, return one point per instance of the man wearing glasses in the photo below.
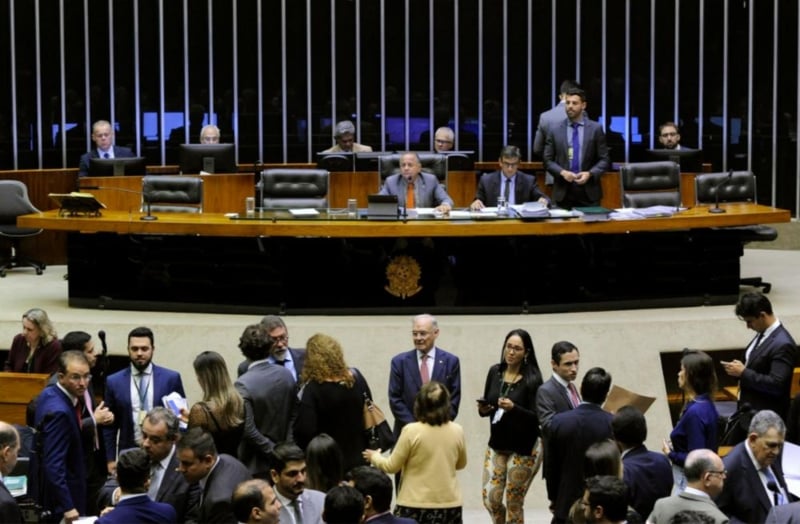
(668, 136)
(705, 478)
(508, 182)
(281, 354)
(209, 134)
(443, 140)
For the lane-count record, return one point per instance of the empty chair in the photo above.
(435, 163)
(646, 184)
(735, 186)
(14, 202)
(172, 194)
(294, 188)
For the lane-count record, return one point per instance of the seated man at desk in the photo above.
(415, 188)
(103, 138)
(443, 140)
(345, 136)
(516, 187)
(209, 134)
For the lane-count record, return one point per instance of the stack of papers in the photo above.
(593, 213)
(655, 211)
(532, 209)
(304, 212)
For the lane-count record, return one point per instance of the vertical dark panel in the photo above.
(467, 81)
(395, 74)
(787, 115)
(247, 111)
(370, 116)
(223, 68)
(493, 97)
(6, 122)
(616, 81)
(297, 80)
(664, 89)
(640, 78)
(273, 97)
(150, 81)
(50, 83)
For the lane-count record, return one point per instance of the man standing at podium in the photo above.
(103, 138)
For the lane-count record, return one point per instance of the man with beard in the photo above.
(605, 500)
(133, 391)
(288, 475)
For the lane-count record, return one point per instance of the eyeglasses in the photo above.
(721, 473)
(77, 378)
(282, 338)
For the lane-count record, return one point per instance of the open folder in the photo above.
(75, 203)
(619, 397)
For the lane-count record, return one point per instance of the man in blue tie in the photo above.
(576, 154)
(103, 138)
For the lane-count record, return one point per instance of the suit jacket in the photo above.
(551, 398)
(490, 187)
(140, 509)
(223, 479)
(571, 434)
(45, 359)
(666, 507)
(767, 377)
(547, 120)
(270, 405)
(427, 190)
(405, 382)
(119, 152)
(743, 497)
(298, 359)
(648, 476)
(594, 158)
(786, 514)
(118, 400)
(64, 467)
(312, 502)
(9, 510)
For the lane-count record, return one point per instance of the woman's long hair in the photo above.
(212, 374)
(700, 375)
(38, 317)
(324, 463)
(325, 361)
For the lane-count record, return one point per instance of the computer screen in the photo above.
(460, 160)
(690, 160)
(369, 161)
(211, 158)
(335, 161)
(117, 166)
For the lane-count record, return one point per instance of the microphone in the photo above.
(142, 194)
(102, 335)
(104, 362)
(716, 208)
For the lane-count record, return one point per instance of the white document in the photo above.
(175, 403)
(304, 212)
(791, 467)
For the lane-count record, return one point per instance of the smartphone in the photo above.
(482, 401)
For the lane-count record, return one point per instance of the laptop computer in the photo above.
(382, 207)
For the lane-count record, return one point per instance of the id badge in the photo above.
(569, 153)
(140, 417)
(498, 415)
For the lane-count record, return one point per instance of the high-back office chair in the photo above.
(172, 194)
(14, 202)
(711, 188)
(646, 184)
(294, 188)
(435, 163)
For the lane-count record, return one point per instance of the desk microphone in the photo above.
(716, 208)
(142, 194)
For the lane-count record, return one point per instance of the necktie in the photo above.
(507, 191)
(753, 347)
(87, 401)
(410, 200)
(777, 494)
(575, 167)
(298, 511)
(79, 412)
(143, 385)
(424, 373)
(155, 481)
(105, 155)
(573, 395)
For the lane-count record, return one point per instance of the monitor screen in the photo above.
(210, 158)
(335, 161)
(690, 160)
(369, 161)
(117, 166)
(460, 160)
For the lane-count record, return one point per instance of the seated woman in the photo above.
(37, 348)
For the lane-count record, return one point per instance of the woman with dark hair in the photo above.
(331, 401)
(429, 451)
(514, 453)
(697, 426)
(221, 412)
(324, 463)
(37, 348)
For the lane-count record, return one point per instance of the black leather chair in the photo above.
(435, 163)
(172, 194)
(294, 188)
(710, 188)
(646, 184)
(14, 202)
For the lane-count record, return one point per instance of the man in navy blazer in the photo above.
(58, 421)
(747, 495)
(133, 472)
(428, 192)
(148, 382)
(103, 137)
(405, 377)
(647, 474)
(576, 183)
(520, 187)
(376, 487)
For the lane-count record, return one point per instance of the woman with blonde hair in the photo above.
(332, 400)
(37, 348)
(221, 412)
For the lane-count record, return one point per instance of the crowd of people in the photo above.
(284, 441)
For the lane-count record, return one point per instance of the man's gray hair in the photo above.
(764, 420)
(343, 127)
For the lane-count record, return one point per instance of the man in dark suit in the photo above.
(254, 502)
(103, 138)
(750, 491)
(514, 186)
(270, 400)
(9, 447)
(559, 393)
(343, 505)
(149, 383)
(217, 474)
(160, 432)
(376, 487)
(407, 374)
(288, 476)
(577, 169)
(415, 188)
(647, 474)
(571, 434)
(551, 117)
(281, 354)
(705, 476)
(133, 472)
(765, 377)
(58, 420)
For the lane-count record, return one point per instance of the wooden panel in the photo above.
(356, 184)
(16, 391)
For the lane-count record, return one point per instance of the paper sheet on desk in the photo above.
(304, 212)
(791, 467)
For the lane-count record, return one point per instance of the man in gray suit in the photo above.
(705, 477)
(576, 154)
(415, 188)
(270, 400)
(288, 475)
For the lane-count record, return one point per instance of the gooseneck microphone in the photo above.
(716, 208)
(142, 194)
